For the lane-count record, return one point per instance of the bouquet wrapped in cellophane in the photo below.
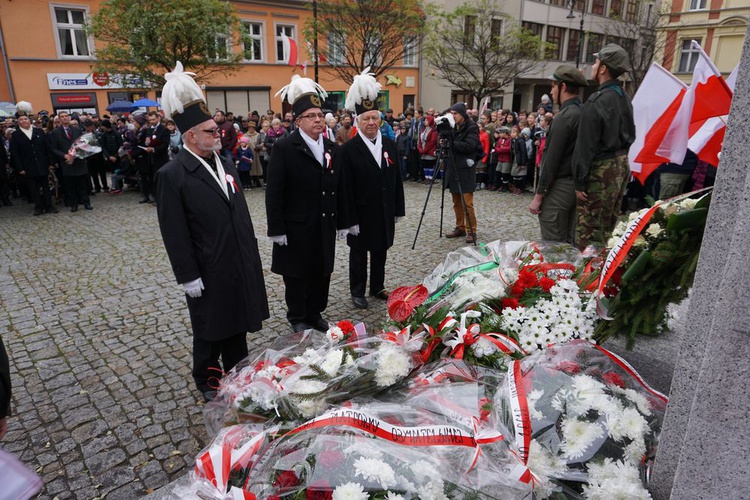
(300, 376)
(86, 145)
(583, 421)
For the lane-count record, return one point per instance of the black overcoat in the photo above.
(31, 155)
(305, 201)
(210, 236)
(466, 146)
(158, 139)
(60, 145)
(375, 192)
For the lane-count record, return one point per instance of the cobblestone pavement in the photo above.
(99, 336)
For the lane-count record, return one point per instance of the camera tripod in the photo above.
(444, 160)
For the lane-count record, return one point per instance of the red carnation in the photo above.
(509, 302)
(517, 290)
(330, 459)
(284, 362)
(346, 326)
(286, 480)
(611, 378)
(546, 283)
(527, 279)
(569, 367)
(319, 490)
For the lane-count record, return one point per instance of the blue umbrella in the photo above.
(122, 105)
(146, 103)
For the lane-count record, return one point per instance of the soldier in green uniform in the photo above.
(600, 161)
(555, 196)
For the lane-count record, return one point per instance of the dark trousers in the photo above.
(77, 187)
(306, 298)
(147, 185)
(358, 271)
(206, 368)
(39, 187)
(98, 172)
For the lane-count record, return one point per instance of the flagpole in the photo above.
(315, 38)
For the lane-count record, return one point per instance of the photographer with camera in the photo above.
(461, 174)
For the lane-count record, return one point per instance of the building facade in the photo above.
(47, 60)
(557, 22)
(719, 26)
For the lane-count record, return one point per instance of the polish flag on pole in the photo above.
(654, 106)
(290, 49)
(708, 96)
(707, 136)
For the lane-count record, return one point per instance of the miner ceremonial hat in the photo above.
(614, 58)
(182, 100)
(565, 73)
(363, 93)
(303, 94)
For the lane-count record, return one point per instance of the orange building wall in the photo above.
(28, 31)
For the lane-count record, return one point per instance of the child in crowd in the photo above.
(244, 160)
(520, 161)
(503, 151)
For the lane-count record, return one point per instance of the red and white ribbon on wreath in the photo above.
(519, 410)
(631, 371)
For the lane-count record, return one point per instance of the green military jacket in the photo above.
(606, 130)
(557, 158)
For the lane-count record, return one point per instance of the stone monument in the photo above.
(705, 444)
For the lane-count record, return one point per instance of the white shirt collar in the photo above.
(376, 149)
(317, 147)
(219, 175)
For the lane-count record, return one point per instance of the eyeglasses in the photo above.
(313, 116)
(211, 131)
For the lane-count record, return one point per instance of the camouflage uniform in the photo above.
(600, 162)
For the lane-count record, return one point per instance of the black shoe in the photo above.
(38, 211)
(52, 210)
(319, 324)
(209, 396)
(74, 208)
(145, 200)
(88, 207)
(359, 302)
(382, 294)
(300, 327)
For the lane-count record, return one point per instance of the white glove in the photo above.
(397, 219)
(342, 234)
(193, 288)
(279, 240)
(354, 230)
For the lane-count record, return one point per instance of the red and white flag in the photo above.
(290, 50)
(707, 136)
(654, 107)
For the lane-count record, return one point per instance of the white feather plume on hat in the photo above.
(364, 86)
(300, 86)
(179, 90)
(25, 107)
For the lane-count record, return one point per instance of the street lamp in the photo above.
(579, 49)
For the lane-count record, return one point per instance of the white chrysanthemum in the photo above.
(393, 496)
(639, 399)
(307, 357)
(335, 334)
(307, 387)
(310, 408)
(422, 469)
(612, 242)
(629, 424)
(545, 467)
(350, 491)
(614, 481)
(578, 436)
(654, 230)
(393, 365)
(587, 385)
(433, 490)
(376, 471)
(332, 362)
(268, 371)
(483, 347)
(363, 449)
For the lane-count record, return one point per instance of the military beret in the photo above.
(614, 58)
(566, 73)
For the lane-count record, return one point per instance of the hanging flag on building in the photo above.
(290, 50)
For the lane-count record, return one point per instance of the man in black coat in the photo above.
(305, 205)
(211, 244)
(461, 174)
(31, 159)
(75, 171)
(156, 151)
(375, 193)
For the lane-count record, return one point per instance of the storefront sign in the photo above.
(73, 100)
(83, 81)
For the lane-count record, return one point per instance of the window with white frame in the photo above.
(69, 24)
(220, 49)
(254, 43)
(698, 4)
(410, 51)
(688, 56)
(336, 49)
(283, 29)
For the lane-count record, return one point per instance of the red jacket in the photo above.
(484, 138)
(430, 145)
(502, 148)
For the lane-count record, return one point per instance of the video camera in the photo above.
(445, 124)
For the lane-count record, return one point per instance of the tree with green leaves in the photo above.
(141, 40)
(355, 34)
(479, 49)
